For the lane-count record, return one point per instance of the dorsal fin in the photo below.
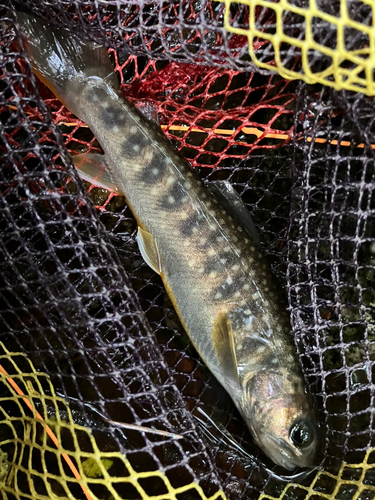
(232, 202)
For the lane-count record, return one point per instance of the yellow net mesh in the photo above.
(336, 487)
(46, 460)
(313, 33)
(45, 432)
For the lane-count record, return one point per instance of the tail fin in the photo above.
(59, 57)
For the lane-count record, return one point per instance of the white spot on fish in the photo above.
(201, 270)
(255, 296)
(246, 286)
(237, 294)
(155, 171)
(105, 104)
(223, 261)
(154, 191)
(195, 230)
(227, 249)
(115, 129)
(176, 232)
(136, 148)
(211, 252)
(235, 267)
(212, 274)
(133, 130)
(170, 200)
(218, 295)
(274, 361)
(261, 349)
(221, 221)
(170, 181)
(229, 280)
(187, 185)
(247, 312)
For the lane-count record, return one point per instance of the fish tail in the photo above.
(61, 59)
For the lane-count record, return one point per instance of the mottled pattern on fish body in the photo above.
(208, 264)
(220, 285)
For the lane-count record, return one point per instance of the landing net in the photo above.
(87, 332)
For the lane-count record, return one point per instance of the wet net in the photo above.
(87, 330)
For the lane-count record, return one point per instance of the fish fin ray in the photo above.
(92, 167)
(224, 345)
(231, 201)
(149, 250)
(60, 58)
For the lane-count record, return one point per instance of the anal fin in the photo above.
(93, 168)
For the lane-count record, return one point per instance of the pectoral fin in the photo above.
(230, 200)
(93, 168)
(149, 250)
(223, 341)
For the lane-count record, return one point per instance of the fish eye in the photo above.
(302, 434)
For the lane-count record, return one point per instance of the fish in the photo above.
(219, 283)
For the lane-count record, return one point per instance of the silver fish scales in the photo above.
(219, 284)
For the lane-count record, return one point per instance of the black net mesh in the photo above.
(87, 328)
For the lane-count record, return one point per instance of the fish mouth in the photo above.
(283, 454)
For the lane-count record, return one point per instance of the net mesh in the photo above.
(87, 330)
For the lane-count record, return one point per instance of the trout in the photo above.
(220, 285)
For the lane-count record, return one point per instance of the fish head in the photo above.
(280, 415)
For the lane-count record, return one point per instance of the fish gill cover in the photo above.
(87, 329)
